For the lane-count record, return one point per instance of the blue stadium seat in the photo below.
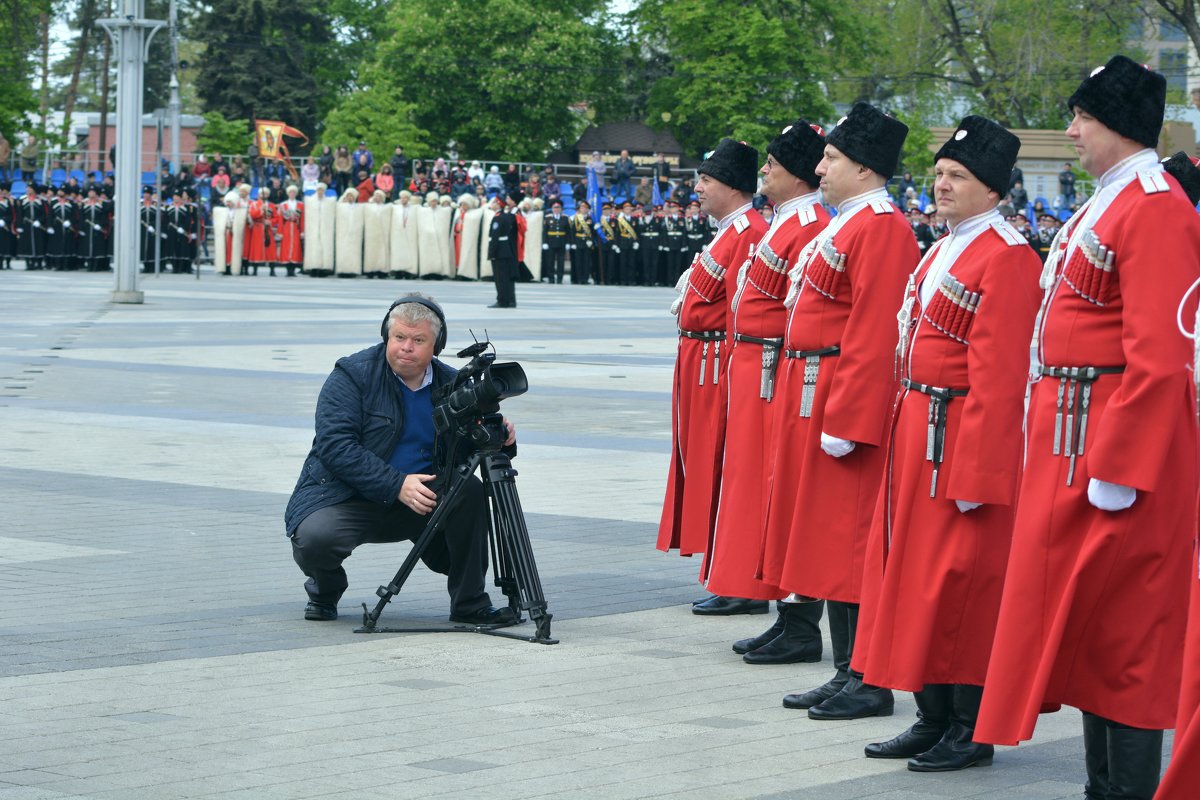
(148, 178)
(78, 175)
(57, 177)
(18, 188)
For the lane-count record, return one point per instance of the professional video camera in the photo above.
(466, 416)
(470, 406)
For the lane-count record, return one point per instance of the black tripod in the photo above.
(512, 556)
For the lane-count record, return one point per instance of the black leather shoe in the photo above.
(497, 305)
(727, 606)
(856, 700)
(954, 751)
(489, 615)
(742, 646)
(913, 742)
(704, 599)
(815, 696)
(321, 612)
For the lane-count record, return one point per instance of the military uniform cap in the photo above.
(1127, 97)
(734, 164)
(798, 149)
(986, 149)
(1186, 171)
(870, 137)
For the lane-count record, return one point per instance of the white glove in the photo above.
(966, 505)
(37, 223)
(545, 247)
(834, 446)
(2, 225)
(635, 245)
(163, 235)
(66, 223)
(50, 231)
(570, 247)
(616, 249)
(1110, 496)
(95, 226)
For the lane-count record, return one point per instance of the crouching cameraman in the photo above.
(367, 477)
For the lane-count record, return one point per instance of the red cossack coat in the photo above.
(820, 507)
(758, 311)
(698, 394)
(1183, 775)
(290, 214)
(1095, 602)
(261, 248)
(934, 575)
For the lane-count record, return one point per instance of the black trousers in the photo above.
(504, 272)
(329, 535)
(555, 264)
(581, 263)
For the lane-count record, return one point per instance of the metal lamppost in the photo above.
(131, 35)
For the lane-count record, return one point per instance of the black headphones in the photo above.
(440, 342)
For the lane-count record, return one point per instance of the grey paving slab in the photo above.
(150, 616)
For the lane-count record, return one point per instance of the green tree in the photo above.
(745, 68)
(1015, 61)
(220, 135)
(261, 60)
(358, 118)
(18, 39)
(496, 76)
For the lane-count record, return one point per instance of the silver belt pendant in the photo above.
(808, 394)
(939, 412)
(716, 362)
(1070, 428)
(1058, 414)
(703, 361)
(1085, 399)
(931, 431)
(770, 360)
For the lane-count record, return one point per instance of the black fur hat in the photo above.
(870, 137)
(1127, 97)
(1186, 172)
(734, 164)
(799, 149)
(986, 149)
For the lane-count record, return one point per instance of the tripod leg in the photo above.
(446, 505)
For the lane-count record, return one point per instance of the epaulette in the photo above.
(1153, 181)
(1008, 233)
(741, 223)
(807, 215)
(882, 206)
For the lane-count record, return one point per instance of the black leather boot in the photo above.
(755, 642)
(1134, 762)
(956, 750)
(1095, 756)
(933, 718)
(839, 640)
(800, 640)
(720, 606)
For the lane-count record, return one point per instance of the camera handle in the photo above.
(512, 554)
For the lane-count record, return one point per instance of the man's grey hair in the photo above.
(414, 314)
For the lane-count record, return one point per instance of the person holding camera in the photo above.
(369, 475)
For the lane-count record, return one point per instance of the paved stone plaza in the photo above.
(151, 635)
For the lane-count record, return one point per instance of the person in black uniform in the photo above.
(647, 227)
(502, 250)
(177, 222)
(627, 242)
(33, 214)
(60, 232)
(610, 251)
(8, 227)
(673, 242)
(150, 234)
(581, 243)
(556, 230)
(696, 225)
(93, 232)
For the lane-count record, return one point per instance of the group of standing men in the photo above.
(999, 528)
(56, 229)
(170, 233)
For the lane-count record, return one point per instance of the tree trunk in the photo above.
(87, 19)
(1184, 13)
(104, 87)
